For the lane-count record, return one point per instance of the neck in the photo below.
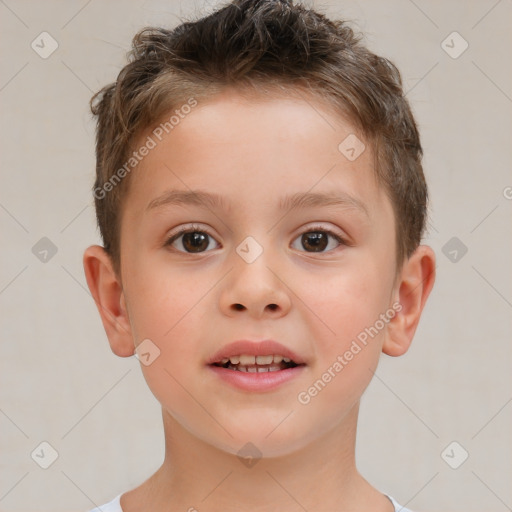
(196, 476)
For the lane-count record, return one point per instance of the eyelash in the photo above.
(194, 228)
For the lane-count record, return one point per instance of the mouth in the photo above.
(256, 364)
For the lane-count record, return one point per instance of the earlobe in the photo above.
(109, 298)
(414, 286)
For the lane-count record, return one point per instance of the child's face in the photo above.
(312, 295)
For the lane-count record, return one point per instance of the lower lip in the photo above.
(254, 381)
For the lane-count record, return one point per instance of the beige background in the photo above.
(60, 383)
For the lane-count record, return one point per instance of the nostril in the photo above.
(240, 307)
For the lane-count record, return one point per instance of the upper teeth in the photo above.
(245, 359)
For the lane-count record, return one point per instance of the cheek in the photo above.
(158, 295)
(170, 320)
(348, 351)
(165, 310)
(345, 302)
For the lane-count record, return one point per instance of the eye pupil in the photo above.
(198, 241)
(319, 240)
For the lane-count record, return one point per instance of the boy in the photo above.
(261, 201)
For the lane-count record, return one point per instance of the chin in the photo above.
(257, 443)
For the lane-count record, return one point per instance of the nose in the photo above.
(255, 288)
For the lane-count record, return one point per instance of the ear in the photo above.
(414, 285)
(108, 295)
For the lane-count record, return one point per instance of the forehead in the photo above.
(255, 146)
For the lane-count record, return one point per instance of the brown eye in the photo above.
(318, 240)
(192, 241)
(195, 241)
(315, 240)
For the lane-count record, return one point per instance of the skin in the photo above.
(253, 151)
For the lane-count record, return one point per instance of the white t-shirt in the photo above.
(115, 506)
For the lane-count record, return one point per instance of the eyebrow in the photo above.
(299, 200)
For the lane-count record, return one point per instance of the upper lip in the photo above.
(255, 348)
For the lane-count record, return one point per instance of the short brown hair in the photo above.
(253, 44)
